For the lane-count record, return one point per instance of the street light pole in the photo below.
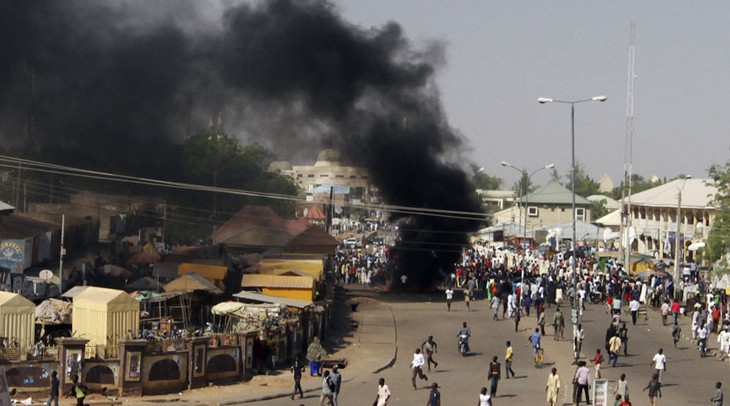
(523, 173)
(676, 238)
(543, 100)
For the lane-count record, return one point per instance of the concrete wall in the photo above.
(101, 374)
(164, 373)
(29, 375)
(223, 363)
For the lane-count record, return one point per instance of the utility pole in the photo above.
(63, 252)
(628, 153)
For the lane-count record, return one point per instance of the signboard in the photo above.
(11, 254)
(4, 396)
(600, 393)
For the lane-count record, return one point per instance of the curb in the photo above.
(313, 390)
(395, 354)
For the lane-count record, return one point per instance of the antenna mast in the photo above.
(628, 153)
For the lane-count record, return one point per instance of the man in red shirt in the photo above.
(675, 310)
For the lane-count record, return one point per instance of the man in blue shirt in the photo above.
(535, 342)
(434, 397)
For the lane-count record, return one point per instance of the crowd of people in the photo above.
(516, 286)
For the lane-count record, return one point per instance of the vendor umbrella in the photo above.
(696, 245)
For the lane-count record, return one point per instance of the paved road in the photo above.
(689, 380)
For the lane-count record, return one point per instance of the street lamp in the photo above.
(676, 237)
(543, 100)
(524, 174)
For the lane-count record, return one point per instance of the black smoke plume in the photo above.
(117, 85)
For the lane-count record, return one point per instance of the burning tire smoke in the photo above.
(116, 86)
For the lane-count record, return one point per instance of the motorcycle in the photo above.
(596, 297)
(464, 344)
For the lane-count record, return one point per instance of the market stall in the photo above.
(17, 320)
(104, 316)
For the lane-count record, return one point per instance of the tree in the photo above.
(585, 185)
(718, 241)
(599, 209)
(486, 182)
(524, 185)
(216, 159)
(554, 176)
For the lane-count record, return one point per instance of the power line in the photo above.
(43, 167)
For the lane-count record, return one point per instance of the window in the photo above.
(339, 176)
(580, 214)
(311, 175)
(532, 211)
(324, 175)
(353, 177)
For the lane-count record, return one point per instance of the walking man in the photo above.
(724, 339)
(381, 399)
(449, 297)
(553, 387)
(614, 345)
(622, 387)
(655, 389)
(53, 395)
(676, 334)
(430, 347)
(597, 361)
(328, 390)
(434, 397)
(634, 308)
(717, 399)
(297, 369)
(557, 323)
(582, 377)
(508, 361)
(578, 338)
(535, 343)
(623, 334)
(676, 307)
(493, 376)
(417, 367)
(336, 377)
(484, 398)
(495, 307)
(660, 364)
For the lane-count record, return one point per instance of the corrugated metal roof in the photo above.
(192, 282)
(696, 193)
(18, 226)
(259, 297)
(555, 193)
(75, 291)
(14, 300)
(104, 295)
(210, 272)
(611, 219)
(277, 281)
(6, 208)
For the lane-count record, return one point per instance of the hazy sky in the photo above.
(503, 55)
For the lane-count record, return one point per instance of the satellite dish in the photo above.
(46, 275)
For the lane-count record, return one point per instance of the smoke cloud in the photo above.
(117, 85)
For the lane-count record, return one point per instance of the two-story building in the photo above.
(547, 207)
(654, 213)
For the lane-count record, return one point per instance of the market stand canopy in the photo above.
(192, 282)
(100, 313)
(17, 319)
(293, 287)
